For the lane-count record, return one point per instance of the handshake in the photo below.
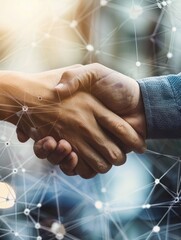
(82, 118)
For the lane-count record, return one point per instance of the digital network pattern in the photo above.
(137, 201)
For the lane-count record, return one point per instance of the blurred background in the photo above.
(137, 201)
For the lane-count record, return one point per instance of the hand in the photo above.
(118, 92)
(75, 119)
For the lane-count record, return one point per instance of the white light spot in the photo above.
(98, 204)
(7, 144)
(90, 48)
(157, 181)
(15, 170)
(138, 64)
(3, 138)
(156, 229)
(174, 29)
(159, 5)
(39, 205)
(103, 2)
(37, 226)
(23, 170)
(27, 211)
(16, 234)
(103, 190)
(146, 206)
(39, 238)
(169, 55)
(73, 24)
(135, 12)
(24, 108)
(59, 236)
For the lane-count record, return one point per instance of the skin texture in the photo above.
(91, 132)
(119, 93)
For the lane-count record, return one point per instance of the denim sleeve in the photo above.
(162, 103)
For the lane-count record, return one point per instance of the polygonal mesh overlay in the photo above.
(137, 201)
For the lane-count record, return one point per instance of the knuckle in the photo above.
(103, 167)
(120, 127)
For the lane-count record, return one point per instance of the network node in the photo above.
(169, 55)
(103, 2)
(16, 234)
(23, 170)
(90, 48)
(15, 170)
(37, 226)
(39, 205)
(39, 238)
(177, 199)
(73, 24)
(138, 64)
(27, 211)
(59, 236)
(40, 98)
(146, 206)
(156, 229)
(98, 204)
(24, 108)
(164, 3)
(7, 144)
(157, 181)
(135, 12)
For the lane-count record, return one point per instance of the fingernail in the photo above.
(60, 85)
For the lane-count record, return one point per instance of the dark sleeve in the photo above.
(162, 103)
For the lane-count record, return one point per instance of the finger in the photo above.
(80, 78)
(69, 163)
(105, 144)
(120, 128)
(22, 137)
(92, 158)
(44, 147)
(63, 149)
(84, 170)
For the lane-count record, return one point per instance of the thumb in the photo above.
(77, 79)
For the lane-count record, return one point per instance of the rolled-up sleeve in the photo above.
(162, 103)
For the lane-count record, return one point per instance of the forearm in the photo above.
(162, 103)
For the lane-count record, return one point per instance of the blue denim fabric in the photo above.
(162, 102)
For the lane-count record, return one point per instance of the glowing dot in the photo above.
(174, 29)
(103, 2)
(33, 44)
(103, 190)
(157, 181)
(73, 24)
(23, 170)
(164, 3)
(39, 205)
(135, 12)
(147, 206)
(156, 229)
(138, 64)
(47, 35)
(39, 238)
(37, 226)
(24, 108)
(177, 199)
(98, 204)
(16, 234)
(27, 211)
(15, 170)
(90, 48)
(159, 5)
(7, 144)
(169, 55)
(59, 236)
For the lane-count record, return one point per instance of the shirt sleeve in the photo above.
(162, 103)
